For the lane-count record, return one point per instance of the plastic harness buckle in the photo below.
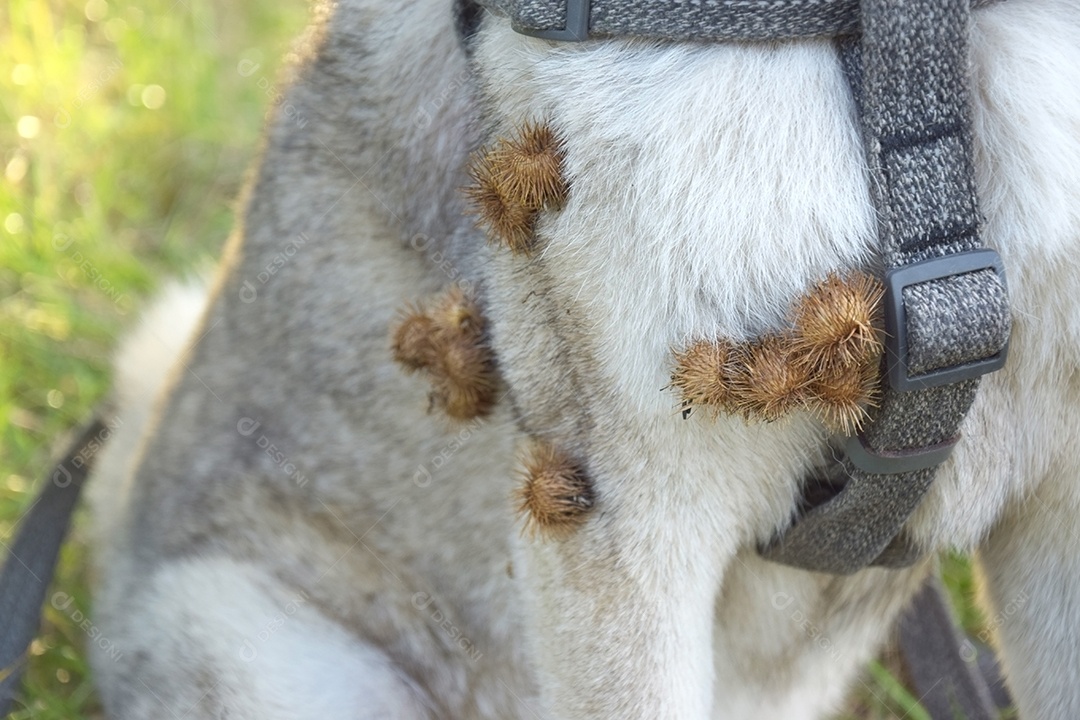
(896, 335)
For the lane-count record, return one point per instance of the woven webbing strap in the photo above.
(675, 20)
(947, 317)
(683, 19)
(913, 100)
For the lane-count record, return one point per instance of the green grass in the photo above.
(126, 129)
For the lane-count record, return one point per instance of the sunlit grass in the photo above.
(125, 132)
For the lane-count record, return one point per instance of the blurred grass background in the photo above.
(126, 130)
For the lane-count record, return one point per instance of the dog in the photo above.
(288, 528)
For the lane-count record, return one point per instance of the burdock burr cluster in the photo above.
(827, 360)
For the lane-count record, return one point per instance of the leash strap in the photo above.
(942, 667)
(31, 558)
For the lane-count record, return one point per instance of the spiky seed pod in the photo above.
(463, 379)
(460, 402)
(841, 395)
(515, 179)
(412, 340)
(555, 496)
(509, 222)
(530, 168)
(456, 312)
(835, 323)
(703, 375)
(766, 384)
(447, 339)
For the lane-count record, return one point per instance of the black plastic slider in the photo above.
(896, 462)
(576, 28)
(896, 329)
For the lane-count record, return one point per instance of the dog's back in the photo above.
(297, 517)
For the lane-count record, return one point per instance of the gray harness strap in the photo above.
(675, 20)
(683, 20)
(947, 316)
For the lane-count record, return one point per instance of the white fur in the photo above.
(148, 357)
(276, 657)
(710, 186)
